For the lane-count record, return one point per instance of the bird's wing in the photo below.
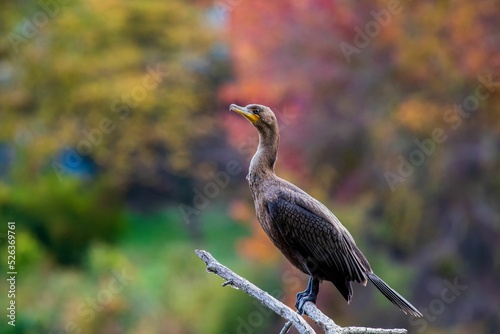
(327, 248)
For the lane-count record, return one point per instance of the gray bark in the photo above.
(326, 324)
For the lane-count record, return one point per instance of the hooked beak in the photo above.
(245, 113)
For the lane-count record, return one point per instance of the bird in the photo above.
(306, 232)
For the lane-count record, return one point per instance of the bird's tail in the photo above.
(393, 296)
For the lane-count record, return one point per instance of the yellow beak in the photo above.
(243, 111)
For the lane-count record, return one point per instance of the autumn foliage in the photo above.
(114, 122)
(395, 107)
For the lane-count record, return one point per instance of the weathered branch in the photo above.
(310, 309)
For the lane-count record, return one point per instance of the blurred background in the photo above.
(119, 157)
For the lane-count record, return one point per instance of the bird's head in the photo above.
(260, 116)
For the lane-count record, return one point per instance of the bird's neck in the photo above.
(263, 161)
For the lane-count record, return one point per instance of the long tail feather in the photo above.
(393, 296)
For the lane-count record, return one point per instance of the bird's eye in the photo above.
(256, 111)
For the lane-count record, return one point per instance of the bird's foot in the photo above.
(299, 296)
(309, 295)
(302, 295)
(302, 300)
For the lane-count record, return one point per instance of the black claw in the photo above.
(297, 302)
(303, 301)
(309, 295)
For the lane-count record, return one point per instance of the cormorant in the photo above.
(304, 230)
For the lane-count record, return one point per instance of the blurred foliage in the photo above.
(117, 81)
(111, 109)
(65, 216)
(360, 127)
(164, 287)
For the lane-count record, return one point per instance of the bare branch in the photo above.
(286, 328)
(310, 309)
(266, 299)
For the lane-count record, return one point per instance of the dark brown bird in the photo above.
(303, 229)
